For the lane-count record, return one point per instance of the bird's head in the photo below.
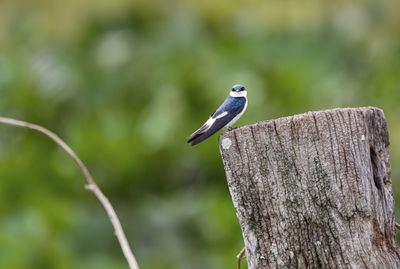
(238, 88)
(238, 91)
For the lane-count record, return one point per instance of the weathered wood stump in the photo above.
(314, 190)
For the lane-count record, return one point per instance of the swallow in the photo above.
(224, 117)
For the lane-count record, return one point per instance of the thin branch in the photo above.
(240, 256)
(92, 186)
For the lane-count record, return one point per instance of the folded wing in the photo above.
(218, 120)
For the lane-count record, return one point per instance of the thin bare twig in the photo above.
(92, 186)
(240, 256)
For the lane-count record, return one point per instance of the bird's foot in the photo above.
(231, 128)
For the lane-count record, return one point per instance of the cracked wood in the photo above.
(314, 190)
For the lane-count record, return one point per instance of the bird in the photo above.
(224, 117)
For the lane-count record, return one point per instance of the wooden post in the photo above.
(314, 190)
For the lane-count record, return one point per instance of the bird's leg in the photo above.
(231, 128)
(240, 256)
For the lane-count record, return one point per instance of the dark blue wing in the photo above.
(233, 107)
(230, 104)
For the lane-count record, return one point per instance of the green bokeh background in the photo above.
(125, 82)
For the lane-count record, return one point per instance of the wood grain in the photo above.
(314, 190)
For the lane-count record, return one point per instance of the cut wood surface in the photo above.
(314, 190)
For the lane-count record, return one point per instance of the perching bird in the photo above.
(226, 115)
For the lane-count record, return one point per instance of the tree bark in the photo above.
(314, 190)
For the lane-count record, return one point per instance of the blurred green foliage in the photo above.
(125, 82)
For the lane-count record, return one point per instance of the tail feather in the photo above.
(193, 139)
(197, 138)
(197, 133)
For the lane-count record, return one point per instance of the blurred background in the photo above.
(125, 82)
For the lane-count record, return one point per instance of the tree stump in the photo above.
(314, 190)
